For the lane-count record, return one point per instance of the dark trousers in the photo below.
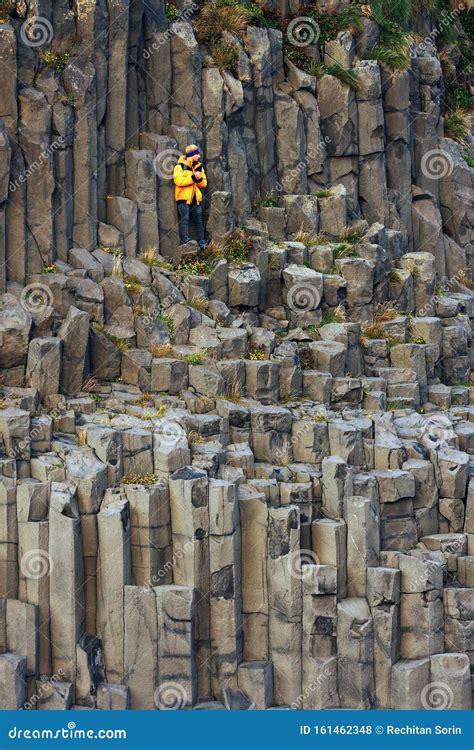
(186, 214)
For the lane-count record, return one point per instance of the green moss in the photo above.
(322, 194)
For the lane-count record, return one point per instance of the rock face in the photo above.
(241, 481)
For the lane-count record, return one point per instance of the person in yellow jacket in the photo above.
(189, 180)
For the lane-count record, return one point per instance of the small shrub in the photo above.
(345, 250)
(257, 353)
(322, 193)
(394, 406)
(385, 312)
(458, 95)
(237, 247)
(456, 125)
(308, 239)
(199, 303)
(396, 59)
(140, 479)
(171, 12)
(132, 284)
(195, 267)
(416, 340)
(116, 251)
(146, 399)
(51, 268)
(235, 393)
(194, 438)
(117, 269)
(346, 75)
(225, 56)
(56, 60)
(270, 200)
(465, 279)
(338, 315)
(320, 417)
(395, 276)
(306, 361)
(162, 351)
(414, 270)
(217, 16)
(3, 404)
(169, 322)
(82, 437)
(6, 9)
(273, 263)
(195, 358)
(69, 100)
(121, 344)
(89, 384)
(149, 257)
(469, 160)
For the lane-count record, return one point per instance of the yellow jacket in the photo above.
(186, 185)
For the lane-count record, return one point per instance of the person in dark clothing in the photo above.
(189, 180)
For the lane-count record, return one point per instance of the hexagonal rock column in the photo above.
(190, 532)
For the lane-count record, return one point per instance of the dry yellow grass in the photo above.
(164, 350)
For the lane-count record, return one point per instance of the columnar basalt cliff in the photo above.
(238, 481)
